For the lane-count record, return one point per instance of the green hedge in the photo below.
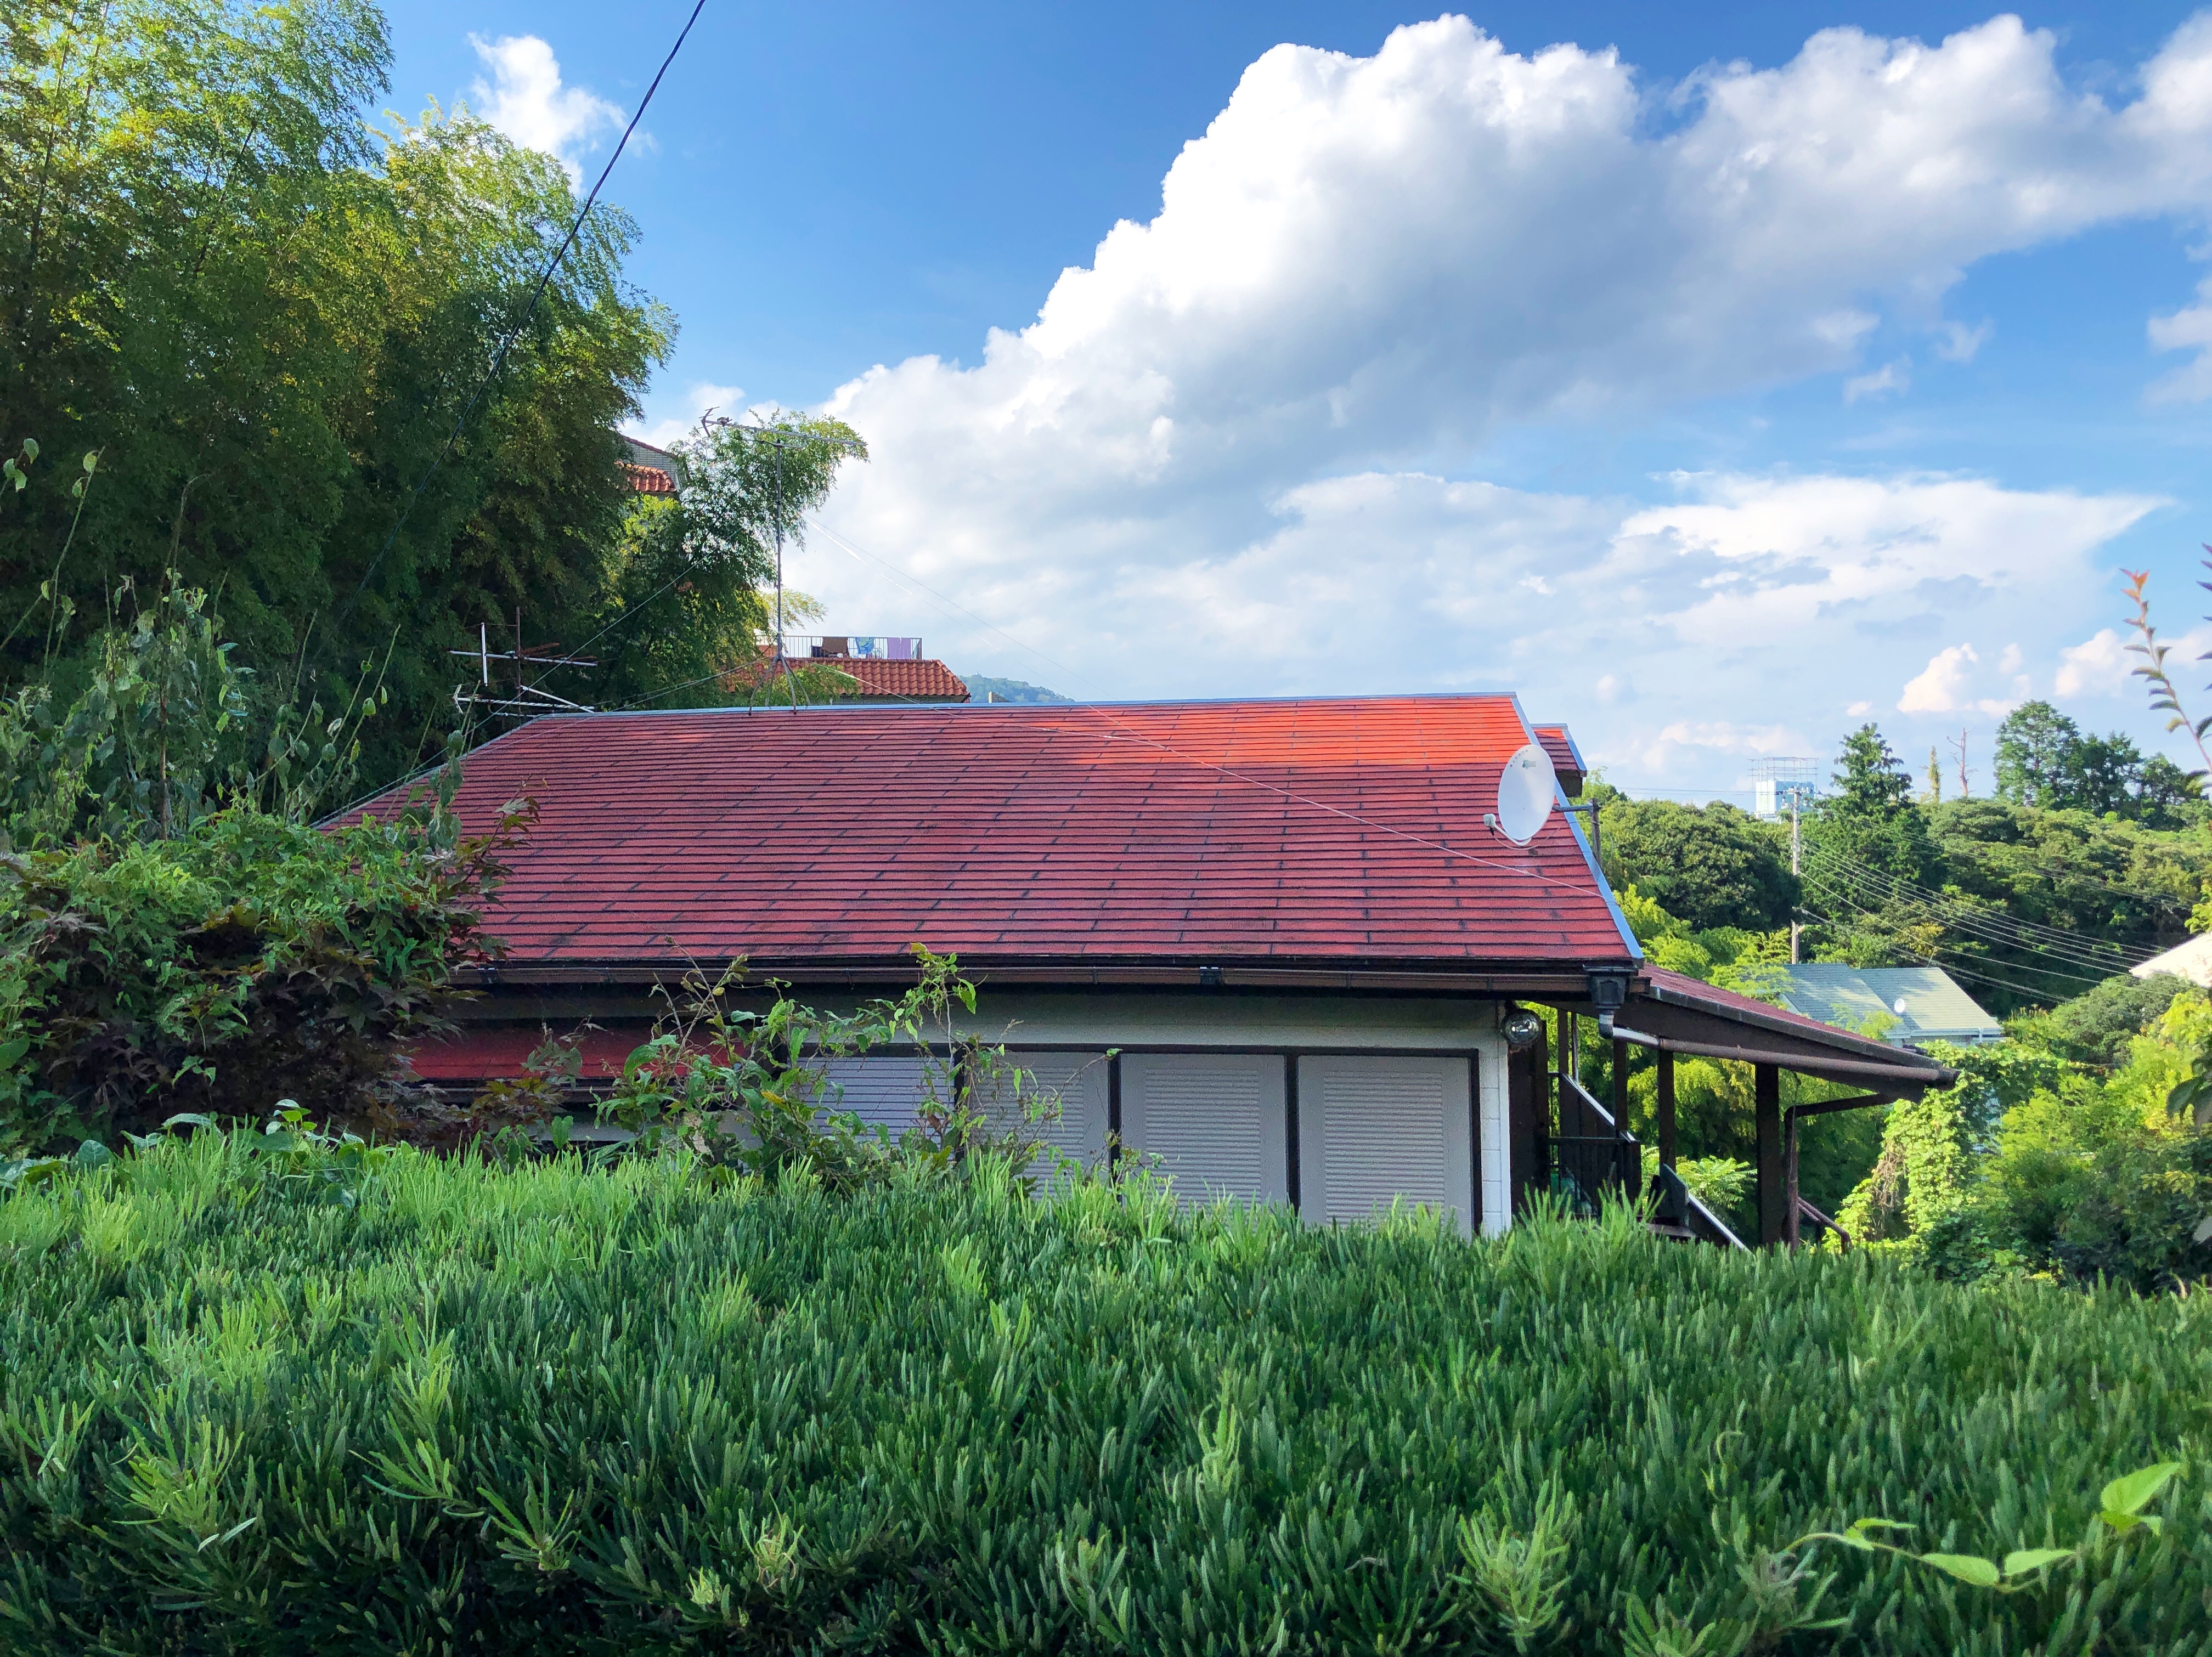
(264, 1397)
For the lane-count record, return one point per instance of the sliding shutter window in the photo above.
(1067, 1092)
(885, 1091)
(1215, 1120)
(1375, 1131)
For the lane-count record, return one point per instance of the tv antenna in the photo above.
(780, 435)
(1527, 789)
(528, 700)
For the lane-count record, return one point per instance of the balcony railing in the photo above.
(837, 645)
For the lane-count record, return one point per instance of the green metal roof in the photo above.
(1867, 1000)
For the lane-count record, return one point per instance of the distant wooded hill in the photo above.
(982, 687)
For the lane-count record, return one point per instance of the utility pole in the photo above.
(1797, 927)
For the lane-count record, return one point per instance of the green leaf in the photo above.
(189, 1119)
(91, 459)
(2022, 1561)
(2132, 1494)
(92, 1154)
(1965, 1566)
(31, 448)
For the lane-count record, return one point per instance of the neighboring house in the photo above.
(1905, 1005)
(2192, 959)
(882, 670)
(651, 470)
(1273, 942)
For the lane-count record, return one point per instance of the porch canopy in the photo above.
(1671, 1013)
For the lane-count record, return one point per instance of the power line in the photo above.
(2006, 928)
(1989, 924)
(1963, 971)
(2042, 957)
(545, 280)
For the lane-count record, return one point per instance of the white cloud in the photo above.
(2102, 664)
(1723, 736)
(1944, 687)
(1192, 472)
(2098, 666)
(1859, 710)
(1956, 343)
(1890, 377)
(2189, 329)
(528, 101)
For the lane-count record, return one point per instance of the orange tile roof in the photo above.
(647, 480)
(879, 679)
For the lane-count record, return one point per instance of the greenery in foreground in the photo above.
(268, 1393)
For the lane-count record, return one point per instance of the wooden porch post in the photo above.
(1631, 1174)
(1666, 1109)
(1767, 1111)
(1789, 1223)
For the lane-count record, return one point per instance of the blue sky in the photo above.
(1716, 397)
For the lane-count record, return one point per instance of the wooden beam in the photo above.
(1631, 1175)
(1856, 1102)
(1766, 1113)
(1666, 1109)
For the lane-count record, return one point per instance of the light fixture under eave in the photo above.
(1527, 789)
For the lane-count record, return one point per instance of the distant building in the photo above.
(2190, 959)
(1905, 1006)
(651, 470)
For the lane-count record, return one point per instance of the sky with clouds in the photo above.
(1716, 390)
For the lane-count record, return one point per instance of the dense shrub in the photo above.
(340, 1401)
(245, 960)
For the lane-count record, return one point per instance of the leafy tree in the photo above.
(2035, 752)
(2099, 1026)
(2045, 760)
(683, 611)
(1710, 865)
(267, 317)
(1868, 827)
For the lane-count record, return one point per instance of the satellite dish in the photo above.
(1526, 790)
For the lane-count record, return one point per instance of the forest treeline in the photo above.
(2072, 1149)
(2085, 859)
(261, 341)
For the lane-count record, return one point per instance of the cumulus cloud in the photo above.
(527, 100)
(2102, 664)
(2098, 666)
(1223, 455)
(1944, 686)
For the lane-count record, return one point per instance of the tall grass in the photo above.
(293, 1403)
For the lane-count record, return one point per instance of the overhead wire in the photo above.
(2083, 948)
(1953, 964)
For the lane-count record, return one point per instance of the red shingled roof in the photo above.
(1341, 831)
(1566, 758)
